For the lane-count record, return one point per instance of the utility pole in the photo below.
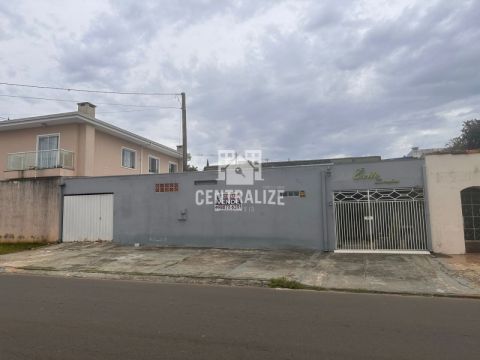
(184, 132)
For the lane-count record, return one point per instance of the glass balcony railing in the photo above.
(44, 159)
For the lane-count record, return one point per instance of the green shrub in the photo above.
(285, 283)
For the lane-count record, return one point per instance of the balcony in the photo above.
(39, 160)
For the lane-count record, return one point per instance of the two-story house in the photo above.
(78, 144)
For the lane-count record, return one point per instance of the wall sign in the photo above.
(228, 201)
(362, 174)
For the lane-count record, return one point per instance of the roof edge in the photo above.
(455, 152)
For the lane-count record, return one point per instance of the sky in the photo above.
(296, 79)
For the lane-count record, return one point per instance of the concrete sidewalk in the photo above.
(413, 274)
(465, 266)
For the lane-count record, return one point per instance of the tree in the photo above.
(191, 168)
(469, 138)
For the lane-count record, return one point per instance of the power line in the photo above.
(203, 155)
(126, 111)
(98, 112)
(89, 91)
(77, 101)
(20, 114)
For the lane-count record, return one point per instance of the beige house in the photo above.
(78, 144)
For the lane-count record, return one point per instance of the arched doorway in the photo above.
(471, 218)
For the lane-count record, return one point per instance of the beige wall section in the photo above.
(30, 210)
(164, 161)
(108, 156)
(446, 176)
(85, 150)
(28, 174)
(26, 140)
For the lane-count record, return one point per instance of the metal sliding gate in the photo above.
(380, 219)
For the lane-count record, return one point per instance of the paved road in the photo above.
(59, 318)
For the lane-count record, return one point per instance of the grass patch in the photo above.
(7, 248)
(285, 283)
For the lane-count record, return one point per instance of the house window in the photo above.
(172, 167)
(128, 158)
(47, 151)
(153, 165)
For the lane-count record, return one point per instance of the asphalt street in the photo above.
(67, 318)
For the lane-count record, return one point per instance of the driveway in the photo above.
(415, 274)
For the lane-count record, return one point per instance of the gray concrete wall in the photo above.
(145, 216)
(29, 210)
(148, 217)
(407, 172)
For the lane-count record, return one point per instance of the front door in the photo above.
(471, 218)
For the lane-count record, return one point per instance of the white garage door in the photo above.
(88, 217)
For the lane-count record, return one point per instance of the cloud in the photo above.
(301, 79)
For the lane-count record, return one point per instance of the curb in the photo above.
(210, 280)
(150, 277)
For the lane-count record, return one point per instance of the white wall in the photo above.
(446, 176)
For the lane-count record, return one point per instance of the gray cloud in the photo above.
(300, 79)
(11, 22)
